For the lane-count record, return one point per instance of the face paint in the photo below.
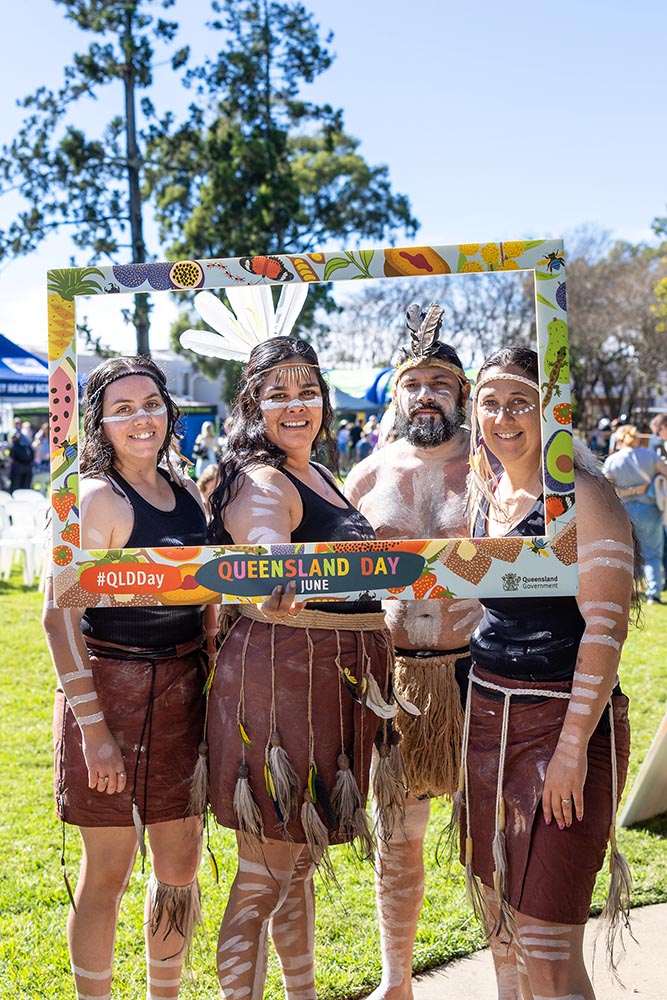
(276, 404)
(121, 417)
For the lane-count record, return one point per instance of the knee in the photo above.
(104, 881)
(178, 869)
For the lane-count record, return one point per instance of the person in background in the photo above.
(42, 448)
(414, 487)
(343, 442)
(547, 736)
(22, 459)
(354, 434)
(363, 447)
(129, 706)
(371, 429)
(659, 431)
(631, 469)
(205, 450)
(599, 438)
(206, 484)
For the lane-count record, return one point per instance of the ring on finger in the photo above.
(566, 802)
(121, 774)
(103, 777)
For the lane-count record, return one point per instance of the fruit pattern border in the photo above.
(454, 568)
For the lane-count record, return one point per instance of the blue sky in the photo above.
(499, 121)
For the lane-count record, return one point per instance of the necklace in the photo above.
(511, 510)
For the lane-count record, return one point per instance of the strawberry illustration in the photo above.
(63, 500)
(439, 592)
(72, 534)
(395, 590)
(62, 555)
(421, 587)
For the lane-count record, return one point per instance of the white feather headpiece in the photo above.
(253, 321)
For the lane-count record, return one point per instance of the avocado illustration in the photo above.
(558, 462)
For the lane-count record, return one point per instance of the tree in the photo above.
(274, 172)
(482, 313)
(616, 346)
(91, 187)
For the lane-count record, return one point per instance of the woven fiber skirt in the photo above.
(155, 710)
(431, 742)
(551, 872)
(288, 680)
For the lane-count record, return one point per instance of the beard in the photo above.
(430, 431)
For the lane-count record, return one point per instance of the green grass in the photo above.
(33, 901)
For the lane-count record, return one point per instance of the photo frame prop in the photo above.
(410, 569)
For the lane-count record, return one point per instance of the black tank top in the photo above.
(324, 521)
(533, 638)
(153, 627)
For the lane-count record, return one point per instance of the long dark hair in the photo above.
(97, 454)
(247, 443)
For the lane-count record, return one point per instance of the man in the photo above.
(22, 457)
(414, 487)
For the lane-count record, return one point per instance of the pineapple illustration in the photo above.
(63, 285)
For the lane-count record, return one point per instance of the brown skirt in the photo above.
(155, 711)
(333, 709)
(551, 872)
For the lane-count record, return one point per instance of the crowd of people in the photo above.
(512, 706)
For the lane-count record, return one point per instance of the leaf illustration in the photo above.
(545, 302)
(334, 264)
(366, 256)
(543, 276)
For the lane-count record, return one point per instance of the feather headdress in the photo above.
(254, 320)
(426, 348)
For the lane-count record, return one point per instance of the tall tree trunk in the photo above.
(141, 304)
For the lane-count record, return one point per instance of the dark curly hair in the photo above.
(97, 454)
(247, 444)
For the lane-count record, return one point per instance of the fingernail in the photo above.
(560, 826)
(568, 824)
(548, 822)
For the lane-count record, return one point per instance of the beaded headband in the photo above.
(506, 377)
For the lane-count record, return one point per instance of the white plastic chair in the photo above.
(31, 496)
(22, 533)
(5, 497)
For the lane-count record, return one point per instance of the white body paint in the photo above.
(124, 417)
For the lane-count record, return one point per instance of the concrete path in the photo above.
(643, 969)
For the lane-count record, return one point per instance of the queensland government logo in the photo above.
(511, 581)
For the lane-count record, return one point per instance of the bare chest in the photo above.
(417, 503)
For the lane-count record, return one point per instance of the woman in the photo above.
(205, 448)
(129, 707)
(631, 469)
(289, 744)
(543, 782)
